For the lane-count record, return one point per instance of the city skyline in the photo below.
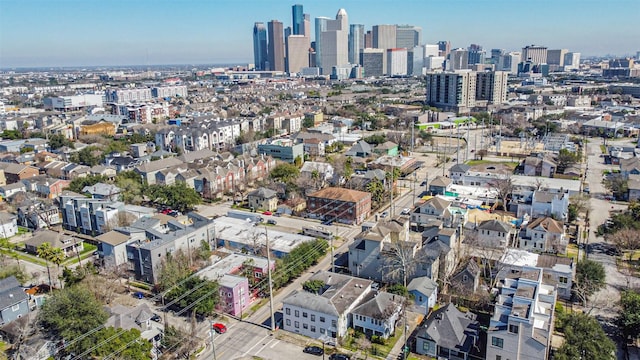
(81, 33)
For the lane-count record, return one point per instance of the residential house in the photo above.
(627, 167)
(234, 294)
(544, 234)
(3, 179)
(327, 313)
(485, 175)
(263, 199)
(7, 191)
(314, 147)
(547, 203)
(457, 173)
(121, 163)
(14, 302)
(494, 234)
(558, 271)
(523, 317)
(139, 318)
(467, 280)
(360, 149)
(339, 204)
(102, 191)
(436, 260)
(633, 184)
(449, 333)
(99, 128)
(425, 293)
(69, 245)
(38, 215)
(47, 187)
(366, 252)
(440, 185)
(435, 208)
(8, 225)
(148, 170)
(73, 171)
(539, 166)
(378, 313)
(112, 245)
(387, 148)
(318, 173)
(16, 172)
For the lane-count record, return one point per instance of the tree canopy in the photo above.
(201, 292)
(177, 196)
(618, 185)
(584, 339)
(565, 159)
(629, 319)
(126, 344)
(56, 141)
(590, 277)
(284, 172)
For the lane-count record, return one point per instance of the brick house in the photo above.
(343, 205)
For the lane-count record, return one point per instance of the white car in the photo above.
(405, 211)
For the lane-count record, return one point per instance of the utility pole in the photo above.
(458, 147)
(391, 192)
(468, 137)
(273, 325)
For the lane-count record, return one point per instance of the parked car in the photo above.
(156, 318)
(219, 328)
(424, 183)
(405, 211)
(272, 222)
(337, 356)
(384, 214)
(313, 350)
(267, 213)
(139, 295)
(166, 211)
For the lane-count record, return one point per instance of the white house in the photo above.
(327, 313)
(546, 203)
(494, 233)
(378, 313)
(8, 225)
(544, 234)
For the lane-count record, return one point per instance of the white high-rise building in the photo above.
(458, 59)
(571, 61)
(534, 53)
(433, 63)
(431, 50)
(334, 42)
(509, 62)
(397, 62)
(297, 53)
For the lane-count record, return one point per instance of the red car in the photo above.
(219, 328)
(267, 213)
(166, 211)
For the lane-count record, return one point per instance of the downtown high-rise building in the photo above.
(509, 62)
(571, 61)
(431, 50)
(373, 62)
(332, 42)
(458, 59)
(260, 46)
(535, 54)
(368, 40)
(356, 42)
(492, 86)
(408, 36)
(297, 15)
(297, 53)
(276, 46)
(384, 36)
(397, 62)
(476, 54)
(496, 54)
(444, 48)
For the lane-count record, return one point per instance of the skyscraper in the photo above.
(397, 62)
(297, 53)
(496, 54)
(534, 53)
(384, 36)
(452, 90)
(334, 42)
(408, 36)
(321, 27)
(298, 19)
(492, 86)
(444, 47)
(260, 46)
(276, 46)
(373, 62)
(571, 61)
(307, 26)
(368, 40)
(476, 54)
(356, 42)
(458, 59)
(556, 57)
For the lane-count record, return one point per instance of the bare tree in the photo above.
(503, 188)
(626, 239)
(489, 258)
(399, 261)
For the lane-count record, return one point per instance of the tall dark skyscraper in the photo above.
(298, 20)
(260, 46)
(276, 46)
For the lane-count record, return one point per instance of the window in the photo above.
(313, 317)
(288, 322)
(420, 298)
(514, 328)
(496, 341)
(297, 313)
(287, 311)
(426, 346)
(321, 330)
(305, 326)
(296, 324)
(333, 323)
(563, 279)
(304, 315)
(321, 318)
(15, 307)
(465, 278)
(498, 357)
(313, 328)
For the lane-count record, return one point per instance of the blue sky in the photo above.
(128, 32)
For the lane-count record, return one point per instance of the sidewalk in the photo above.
(413, 320)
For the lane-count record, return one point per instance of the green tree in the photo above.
(71, 312)
(123, 344)
(376, 188)
(195, 290)
(284, 172)
(629, 319)
(313, 286)
(565, 159)
(308, 122)
(77, 184)
(590, 277)
(86, 156)
(375, 139)
(398, 289)
(11, 134)
(44, 252)
(618, 185)
(584, 339)
(177, 196)
(56, 141)
(175, 267)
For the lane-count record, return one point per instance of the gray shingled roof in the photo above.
(451, 328)
(423, 285)
(379, 306)
(495, 225)
(11, 292)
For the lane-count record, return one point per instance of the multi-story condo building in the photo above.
(492, 86)
(87, 216)
(169, 91)
(276, 46)
(458, 59)
(204, 133)
(452, 90)
(129, 95)
(522, 323)
(338, 204)
(282, 149)
(556, 57)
